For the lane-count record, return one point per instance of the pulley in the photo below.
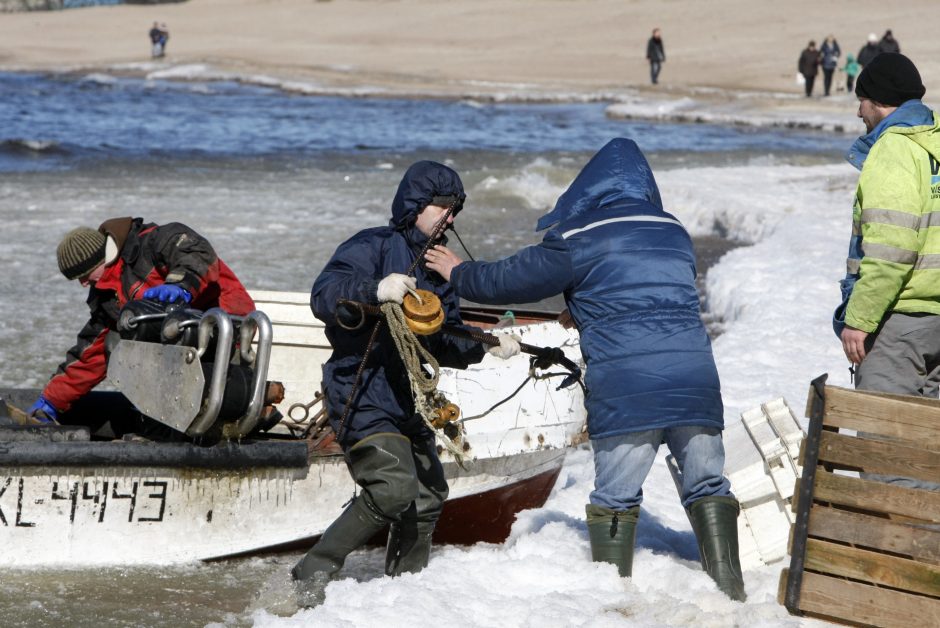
(424, 317)
(448, 413)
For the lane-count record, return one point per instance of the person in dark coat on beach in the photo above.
(655, 54)
(888, 43)
(869, 51)
(122, 260)
(390, 451)
(627, 271)
(829, 54)
(158, 36)
(808, 66)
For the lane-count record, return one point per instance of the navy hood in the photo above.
(618, 172)
(424, 183)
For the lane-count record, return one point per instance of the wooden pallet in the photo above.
(862, 551)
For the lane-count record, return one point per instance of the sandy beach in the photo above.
(719, 50)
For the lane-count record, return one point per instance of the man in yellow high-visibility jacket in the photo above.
(889, 322)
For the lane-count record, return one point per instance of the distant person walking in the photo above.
(869, 51)
(829, 54)
(164, 37)
(888, 43)
(655, 54)
(159, 34)
(156, 47)
(851, 69)
(808, 66)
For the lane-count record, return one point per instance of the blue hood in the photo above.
(910, 113)
(618, 172)
(424, 182)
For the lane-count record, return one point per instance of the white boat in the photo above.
(84, 503)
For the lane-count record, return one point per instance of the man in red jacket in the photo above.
(123, 260)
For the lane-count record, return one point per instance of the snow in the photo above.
(776, 297)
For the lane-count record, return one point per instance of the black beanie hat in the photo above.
(80, 251)
(890, 79)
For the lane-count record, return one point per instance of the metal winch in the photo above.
(193, 370)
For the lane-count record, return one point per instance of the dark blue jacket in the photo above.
(627, 270)
(383, 400)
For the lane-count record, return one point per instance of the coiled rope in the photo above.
(423, 383)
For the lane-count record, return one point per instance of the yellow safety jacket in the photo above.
(897, 215)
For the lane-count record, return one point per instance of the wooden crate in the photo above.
(866, 552)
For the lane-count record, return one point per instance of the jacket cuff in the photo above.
(865, 326)
(187, 281)
(369, 288)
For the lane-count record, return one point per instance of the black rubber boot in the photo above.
(409, 547)
(613, 535)
(715, 522)
(409, 538)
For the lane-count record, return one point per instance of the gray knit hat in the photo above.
(80, 251)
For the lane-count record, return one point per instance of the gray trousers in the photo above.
(903, 357)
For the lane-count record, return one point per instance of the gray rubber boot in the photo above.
(715, 522)
(409, 539)
(613, 535)
(382, 465)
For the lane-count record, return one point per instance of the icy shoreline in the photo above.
(699, 105)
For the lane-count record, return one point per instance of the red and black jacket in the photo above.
(150, 255)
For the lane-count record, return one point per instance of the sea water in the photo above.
(276, 181)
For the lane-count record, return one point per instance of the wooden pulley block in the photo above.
(425, 317)
(446, 414)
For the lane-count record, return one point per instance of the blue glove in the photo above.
(168, 293)
(43, 411)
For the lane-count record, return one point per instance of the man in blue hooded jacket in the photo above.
(627, 270)
(390, 451)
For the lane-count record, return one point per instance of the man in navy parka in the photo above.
(627, 271)
(390, 451)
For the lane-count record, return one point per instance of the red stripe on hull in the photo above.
(489, 516)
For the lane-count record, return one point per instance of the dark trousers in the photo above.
(827, 80)
(655, 67)
(849, 83)
(808, 84)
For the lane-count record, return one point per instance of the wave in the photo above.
(776, 111)
(22, 146)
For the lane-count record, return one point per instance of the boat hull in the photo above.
(131, 515)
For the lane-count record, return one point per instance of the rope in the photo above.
(423, 384)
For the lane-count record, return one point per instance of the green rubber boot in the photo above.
(383, 466)
(349, 532)
(613, 534)
(715, 522)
